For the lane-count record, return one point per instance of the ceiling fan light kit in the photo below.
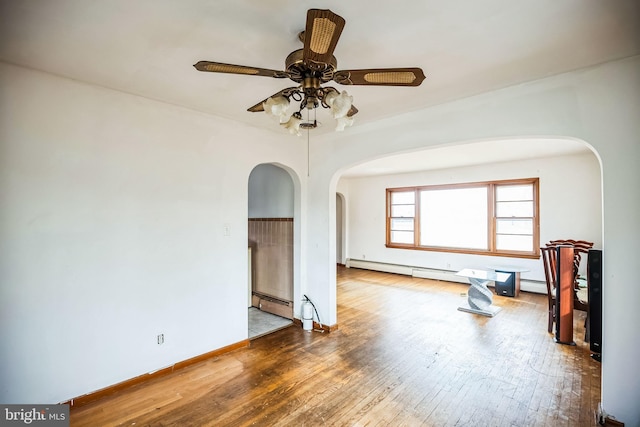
(310, 68)
(277, 106)
(293, 124)
(340, 103)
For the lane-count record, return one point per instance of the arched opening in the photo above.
(570, 194)
(340, 228)
(271, 212)
(571, 202)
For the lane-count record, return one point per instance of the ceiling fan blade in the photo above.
(284, 92)
(352, 112)
(321, 37)
(380, 77)
(219, 67)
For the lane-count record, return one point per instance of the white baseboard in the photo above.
(446, 275)
(380, 266)
(533, 286)
(434, 274)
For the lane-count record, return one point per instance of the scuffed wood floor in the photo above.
(403, 356)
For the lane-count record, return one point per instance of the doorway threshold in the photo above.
(263, 323)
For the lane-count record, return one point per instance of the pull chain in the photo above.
(308, 146)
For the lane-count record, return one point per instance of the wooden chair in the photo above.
(549, 257)
(580, 247)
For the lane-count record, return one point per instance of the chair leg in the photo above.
(552, 316)
(587, 329)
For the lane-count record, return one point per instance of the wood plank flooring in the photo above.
(403, 356)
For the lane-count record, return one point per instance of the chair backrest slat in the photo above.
(549, 259)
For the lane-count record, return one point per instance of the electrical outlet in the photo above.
(227, 230)
(161, 339)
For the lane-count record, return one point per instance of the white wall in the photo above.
(569, 209)
(271, 193)
(599, 105)
(112, 232)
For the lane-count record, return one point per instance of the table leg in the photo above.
(517, 284)
(480, 299)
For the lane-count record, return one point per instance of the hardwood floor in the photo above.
(403, 356)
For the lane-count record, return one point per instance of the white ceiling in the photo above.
(147, 47)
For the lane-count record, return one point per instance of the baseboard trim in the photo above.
(113, 389)
(612, 422)
(316, 325)
(434, 274)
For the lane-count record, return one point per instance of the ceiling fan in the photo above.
(313, 66)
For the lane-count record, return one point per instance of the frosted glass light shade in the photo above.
(342, 122)
(340, 103)
(293, 124)
(277, 106)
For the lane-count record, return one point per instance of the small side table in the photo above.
(514, 273)
(479, 297)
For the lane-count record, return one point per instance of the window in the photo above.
(492, 218)
(403, 212)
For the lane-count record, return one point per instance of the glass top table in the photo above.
(479, 297)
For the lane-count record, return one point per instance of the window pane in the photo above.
(518, 226)
(514, 192)
(402, 237)
(520, 209)
(402, 224)
(403, 211)
(514, 243)
(454, 218)
(403, 197)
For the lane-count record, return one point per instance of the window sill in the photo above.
(526, 255)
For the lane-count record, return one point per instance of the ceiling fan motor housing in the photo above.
(299, 70)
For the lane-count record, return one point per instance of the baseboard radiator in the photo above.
(273, 305)
(434, 274)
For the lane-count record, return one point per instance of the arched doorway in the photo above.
(340, 229)
(271, 243)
